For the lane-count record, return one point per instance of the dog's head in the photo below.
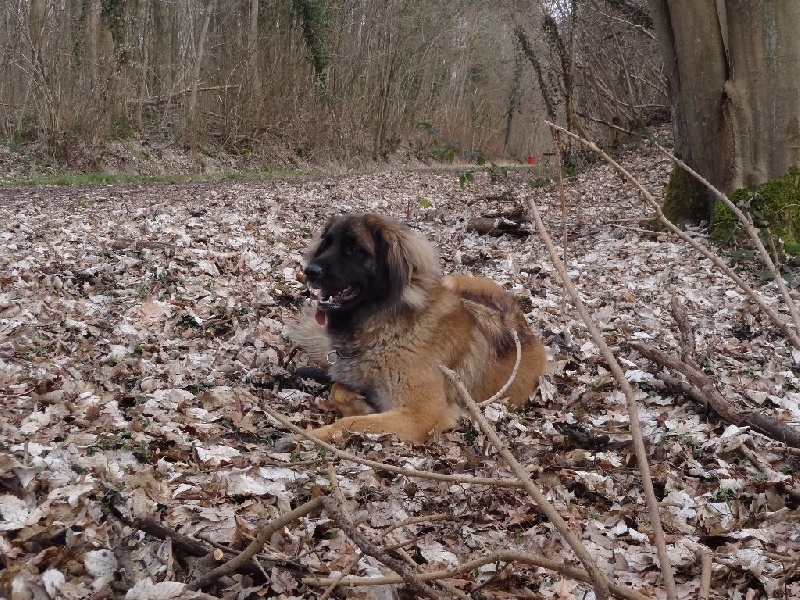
(364, 263)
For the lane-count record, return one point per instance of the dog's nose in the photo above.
(313, 271)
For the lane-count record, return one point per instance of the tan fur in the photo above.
(462, 322)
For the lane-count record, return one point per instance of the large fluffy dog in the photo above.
(385, 318)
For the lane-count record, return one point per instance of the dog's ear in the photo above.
(410, 261)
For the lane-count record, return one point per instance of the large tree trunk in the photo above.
(732, 67)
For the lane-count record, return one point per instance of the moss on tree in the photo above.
(686, 200)
(775, 209)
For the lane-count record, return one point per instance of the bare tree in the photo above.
(342, 77)
(593, 63)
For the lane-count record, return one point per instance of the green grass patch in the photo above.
(68, 179)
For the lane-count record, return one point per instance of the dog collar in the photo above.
(335, 355)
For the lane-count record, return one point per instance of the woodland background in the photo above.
(145, 370)
(320, 81)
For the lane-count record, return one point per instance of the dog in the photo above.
(385, 319)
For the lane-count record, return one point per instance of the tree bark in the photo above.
(732, 70)
(253, 57)
(198, 61)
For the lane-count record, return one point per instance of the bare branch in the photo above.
(776, 319)
(390, 468)
(601, 584)
(633, 409)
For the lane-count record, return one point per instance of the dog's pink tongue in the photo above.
(320, 317)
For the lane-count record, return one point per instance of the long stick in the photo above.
(751, 232)
(790, 334)
(601, 584)
(633, 409)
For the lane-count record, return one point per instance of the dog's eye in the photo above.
(352, 247)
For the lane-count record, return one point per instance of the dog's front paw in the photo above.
(325, 433)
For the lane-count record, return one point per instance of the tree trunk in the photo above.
(732, 69)
(253, 59)
(198, 61)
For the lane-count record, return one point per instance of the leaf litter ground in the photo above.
(142, 330)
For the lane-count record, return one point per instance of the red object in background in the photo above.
(531, 160)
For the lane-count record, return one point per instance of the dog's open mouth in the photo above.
(330, 300)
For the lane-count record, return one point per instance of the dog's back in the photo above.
(496, 316)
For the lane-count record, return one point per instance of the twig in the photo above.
(256, 545)
(776, 319)
(601, 584)
(337, 492)
(420, 519)
(511, 378)
(609, 125)
(706, 562)
(747, 223)
(341, 454)
(512, 557)
(761, 464)
(189, 545)
(630, 400)
(688, 349)
(344, 573)
(559, 145)
(446, 585)
(367, 547)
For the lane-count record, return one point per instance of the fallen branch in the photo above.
(752, 233)
(193, 547)
(776, 319)
(497, 227)
(256, 545)
(525, 558)
(633, 409)
(700, 388)
(341, 454)
(599, 581)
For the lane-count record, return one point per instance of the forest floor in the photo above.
(142, 335)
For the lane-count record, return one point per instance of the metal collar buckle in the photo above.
(335, 355)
